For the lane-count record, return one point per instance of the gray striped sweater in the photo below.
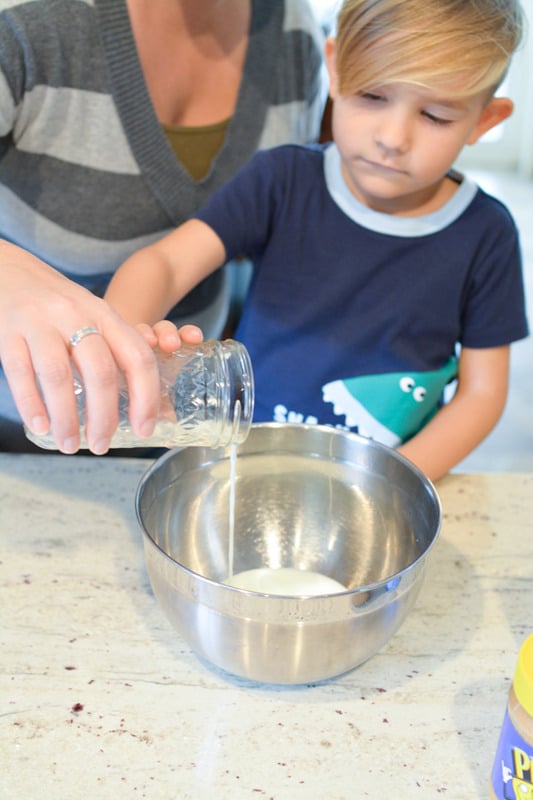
(86, 173)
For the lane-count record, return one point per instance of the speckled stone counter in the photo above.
(101, 699)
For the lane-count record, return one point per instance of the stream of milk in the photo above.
(231, 521)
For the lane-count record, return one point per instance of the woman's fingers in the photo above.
(22, 380)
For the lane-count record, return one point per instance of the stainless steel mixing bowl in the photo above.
(308, 497)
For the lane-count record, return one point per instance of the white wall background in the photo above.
(509, 147)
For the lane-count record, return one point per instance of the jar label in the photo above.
(512, 773)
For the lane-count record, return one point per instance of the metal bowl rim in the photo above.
(425, 481)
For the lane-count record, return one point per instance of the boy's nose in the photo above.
(393, 135)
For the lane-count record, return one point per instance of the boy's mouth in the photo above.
(379, 166)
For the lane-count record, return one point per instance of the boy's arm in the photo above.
(152, 280)
(468, 418)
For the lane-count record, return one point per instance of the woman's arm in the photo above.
(151, 281)
(468, 418)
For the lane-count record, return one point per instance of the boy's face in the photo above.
(398, 141)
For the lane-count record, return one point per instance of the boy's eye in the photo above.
(371, 96)
(435, 119)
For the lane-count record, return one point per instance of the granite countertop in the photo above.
(102, 699)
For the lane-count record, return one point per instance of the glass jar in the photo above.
(512, 772)
(206, 398)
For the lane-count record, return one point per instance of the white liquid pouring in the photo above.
(231, 521)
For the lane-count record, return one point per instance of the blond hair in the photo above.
(427, 42)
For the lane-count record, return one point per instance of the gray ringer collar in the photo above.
(387, 223)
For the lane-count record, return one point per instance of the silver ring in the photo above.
(78, 335)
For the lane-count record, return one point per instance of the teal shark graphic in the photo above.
(391, 407)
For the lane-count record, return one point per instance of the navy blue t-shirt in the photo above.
(353, 317)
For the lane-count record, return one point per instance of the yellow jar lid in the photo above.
(523, 678)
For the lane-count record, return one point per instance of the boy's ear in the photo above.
(496, 110)
(331, 64)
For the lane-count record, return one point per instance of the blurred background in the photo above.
(502, 163)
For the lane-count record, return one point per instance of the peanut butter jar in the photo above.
(512, 772)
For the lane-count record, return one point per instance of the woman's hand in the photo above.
(40, 313)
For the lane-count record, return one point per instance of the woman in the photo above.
(118, 119)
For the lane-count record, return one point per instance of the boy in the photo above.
(373, 262)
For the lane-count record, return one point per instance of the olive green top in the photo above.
(196, 147)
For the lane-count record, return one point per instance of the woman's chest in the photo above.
(192, 61)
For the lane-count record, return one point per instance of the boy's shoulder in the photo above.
(285, 158)
(489, 215)
(290, 152)
(488, 201)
